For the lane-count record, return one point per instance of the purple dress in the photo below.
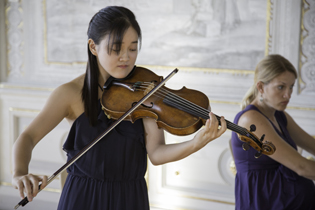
(111, 174)
(263, 183)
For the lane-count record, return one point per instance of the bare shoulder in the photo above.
(72, 88)
(64, 102)
(68, 95)
(252, 117)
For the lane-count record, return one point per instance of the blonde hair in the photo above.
(267, 69)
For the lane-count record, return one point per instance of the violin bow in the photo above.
(24, 201)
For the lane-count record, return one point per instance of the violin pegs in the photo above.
(258, 154)
(262, 137)
(245, 146)
(252, 128)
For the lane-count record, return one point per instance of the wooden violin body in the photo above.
(123, 94)
(179, 112)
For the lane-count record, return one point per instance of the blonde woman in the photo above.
(284, 179)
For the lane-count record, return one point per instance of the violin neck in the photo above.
(231, 126)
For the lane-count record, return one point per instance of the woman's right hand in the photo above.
(64, 102)
(28, 185)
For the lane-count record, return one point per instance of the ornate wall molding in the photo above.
(15, 40)
(269, 18)
(307, 48)
(3, 48)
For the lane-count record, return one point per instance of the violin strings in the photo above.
(179, 102)
(177, 99)
(201, 112)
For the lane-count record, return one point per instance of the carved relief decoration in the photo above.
(14, 27)
(270, 5)
(307, 42)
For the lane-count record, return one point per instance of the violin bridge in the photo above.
(136, 86)
(149, 88)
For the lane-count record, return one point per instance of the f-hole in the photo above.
(134, 103)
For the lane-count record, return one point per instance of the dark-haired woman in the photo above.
(111, 174)
(283, 180)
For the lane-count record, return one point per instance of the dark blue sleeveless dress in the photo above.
(263, 183)
(111, 174)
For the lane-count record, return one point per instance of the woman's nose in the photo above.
(124, 56)
(287, 94)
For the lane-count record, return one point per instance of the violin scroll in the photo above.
(268, 148)
(250, 139)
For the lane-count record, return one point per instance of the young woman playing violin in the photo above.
(111, 174)
(283, 180)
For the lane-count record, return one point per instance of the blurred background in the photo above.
(215, 44)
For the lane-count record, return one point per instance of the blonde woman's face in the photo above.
(277, 92)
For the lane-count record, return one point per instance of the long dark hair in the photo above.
(112, 21)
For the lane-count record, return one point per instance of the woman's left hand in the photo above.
(209, 132)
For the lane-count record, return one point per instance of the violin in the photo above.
(179, 112)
